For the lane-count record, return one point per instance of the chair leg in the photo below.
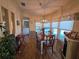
(52, 49)
(45, 50)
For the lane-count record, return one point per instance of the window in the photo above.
(55, 25)
(38, 26)
(61, 34)
(54, 28)
(54, 31)
(65, 26)
(47, 28)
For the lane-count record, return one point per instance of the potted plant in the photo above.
(7, 46)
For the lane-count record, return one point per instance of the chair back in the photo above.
(51, 40)
(36, 36)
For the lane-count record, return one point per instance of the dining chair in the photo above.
(37, 41)
(49, 42)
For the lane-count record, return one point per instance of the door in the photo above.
(26, 26)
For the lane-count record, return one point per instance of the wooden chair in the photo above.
(39, 38)
(49, 43)
(37, 41)
(20, 43)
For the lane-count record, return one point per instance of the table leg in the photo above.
(41, 47)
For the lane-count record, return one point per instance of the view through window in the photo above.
(57, 28)
(47, 28)
(65, 26)
(38, 26)
(54, 28)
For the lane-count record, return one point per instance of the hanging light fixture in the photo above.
(43, 19)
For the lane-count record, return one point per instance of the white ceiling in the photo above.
(46, 7)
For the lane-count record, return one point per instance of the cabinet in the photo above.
(72, 48)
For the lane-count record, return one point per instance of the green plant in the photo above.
(8, 46)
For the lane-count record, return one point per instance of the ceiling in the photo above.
(41, 7)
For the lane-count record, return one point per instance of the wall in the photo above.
(12, 7)
(0, 20)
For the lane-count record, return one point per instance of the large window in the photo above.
(58, 28)
(54, 28)
(65, 26)
(61, 34)
(38, 26)
(47, 28)
(55, 25)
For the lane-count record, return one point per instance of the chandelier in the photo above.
(43, 18)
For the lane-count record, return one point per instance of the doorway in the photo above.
(26, 29)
